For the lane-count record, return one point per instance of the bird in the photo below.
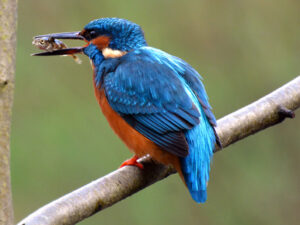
(155, 102)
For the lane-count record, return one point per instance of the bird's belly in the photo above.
(135, 141)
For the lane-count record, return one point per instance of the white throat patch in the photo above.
(110, 53)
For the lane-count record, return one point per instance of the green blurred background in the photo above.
(243, 49)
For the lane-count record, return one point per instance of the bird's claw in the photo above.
(132, 162)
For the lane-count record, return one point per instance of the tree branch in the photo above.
(110, 189)
(8, 14)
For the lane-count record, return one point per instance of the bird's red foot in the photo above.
(132, 162)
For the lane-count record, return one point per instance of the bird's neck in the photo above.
(102, 61)
(97, 55)
(96, 62)
(102, 65)
(94, 54)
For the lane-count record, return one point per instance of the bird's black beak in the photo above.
(67, 51)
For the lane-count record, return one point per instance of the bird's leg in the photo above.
(132, 162)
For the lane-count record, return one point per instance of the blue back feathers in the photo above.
(159, 95)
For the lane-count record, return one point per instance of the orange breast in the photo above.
(135, 141)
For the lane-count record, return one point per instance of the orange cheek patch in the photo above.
(101, 42)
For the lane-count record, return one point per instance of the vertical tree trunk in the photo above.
(8, 15)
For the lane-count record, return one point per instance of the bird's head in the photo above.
(112, 37)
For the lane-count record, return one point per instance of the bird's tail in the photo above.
(196, 166)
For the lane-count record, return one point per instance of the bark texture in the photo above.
(8, 14)
(110, 189)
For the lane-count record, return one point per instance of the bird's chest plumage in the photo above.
(135, 141)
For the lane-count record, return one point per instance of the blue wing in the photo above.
(148, 89)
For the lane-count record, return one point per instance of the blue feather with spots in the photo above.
(127, 35)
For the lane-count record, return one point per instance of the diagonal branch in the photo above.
(114, 187)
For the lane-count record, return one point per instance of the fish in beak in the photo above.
(52, 46)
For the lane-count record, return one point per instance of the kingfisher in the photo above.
(155, 102)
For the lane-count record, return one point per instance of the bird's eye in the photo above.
(90, 34)
(93, 33)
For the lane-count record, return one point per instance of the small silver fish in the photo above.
(50, 44)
